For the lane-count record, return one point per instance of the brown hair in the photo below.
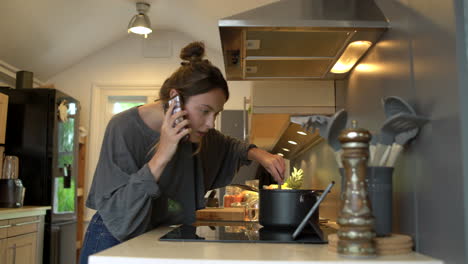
(194, 76)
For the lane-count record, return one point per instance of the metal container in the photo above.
(286, 208)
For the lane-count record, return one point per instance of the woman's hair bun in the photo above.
(193, 52)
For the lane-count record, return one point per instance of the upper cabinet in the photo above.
(3, 116)
(293, 97)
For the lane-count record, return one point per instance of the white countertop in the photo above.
(147, 249)
(25, 211)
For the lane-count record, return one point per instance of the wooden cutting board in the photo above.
(221, 214)
(395, 244)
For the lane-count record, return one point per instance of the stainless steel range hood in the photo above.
(299, 39)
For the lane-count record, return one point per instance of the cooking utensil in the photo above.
(285, 208)
(329, 128)
(335, 125)
(400, 140)
(311, 212)
(372, 144)
(394, 105)
(391, 127)
(312, 123)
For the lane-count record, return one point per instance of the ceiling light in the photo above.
(140, 24)
(292, 142)
(350, 56)
(281, 154)
(302, 133)
(285, 149)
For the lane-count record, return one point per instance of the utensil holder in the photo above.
(379, 190)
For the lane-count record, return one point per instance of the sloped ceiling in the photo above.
(48, 36)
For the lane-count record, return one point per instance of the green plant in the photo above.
(295, 180)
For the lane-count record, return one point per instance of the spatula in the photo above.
(400, 140)
(394, 125)
(394, 105)
(372, 144)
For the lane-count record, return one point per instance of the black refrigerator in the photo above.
(42, 130)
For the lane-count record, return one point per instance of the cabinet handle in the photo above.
(27, 223)
(245, 118)
(4, 226)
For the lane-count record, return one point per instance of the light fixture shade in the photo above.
(350, 56)
(140, 24)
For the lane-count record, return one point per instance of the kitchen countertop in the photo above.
(147, 249)
(25, 211)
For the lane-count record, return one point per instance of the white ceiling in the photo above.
(48, 36)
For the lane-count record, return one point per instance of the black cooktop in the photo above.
(244, 233)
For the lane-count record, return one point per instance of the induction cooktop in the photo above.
(245, 233)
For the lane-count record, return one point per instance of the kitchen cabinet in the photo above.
(21, 235)
(293, 97)
(21, 249)
(3, 116)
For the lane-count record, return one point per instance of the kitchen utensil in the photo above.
(394, 105)
(372, 144)
(400, 140)
(329, 128)
(311, 212)
(391, 127)
(312, 123)
(335, 125)
(379, 190)
(285, 208)
(10, 167)
(11, 193)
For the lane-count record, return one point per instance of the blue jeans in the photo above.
(97, 239)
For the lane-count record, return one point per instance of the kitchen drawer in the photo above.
(3, 228)
(23, 225)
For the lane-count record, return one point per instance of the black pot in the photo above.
(286, 208)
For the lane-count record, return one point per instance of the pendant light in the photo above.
(140, 23)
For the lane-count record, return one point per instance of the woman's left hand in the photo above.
(274, 164)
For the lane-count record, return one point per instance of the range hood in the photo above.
(300, 39)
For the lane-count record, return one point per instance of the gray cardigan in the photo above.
(125, 193)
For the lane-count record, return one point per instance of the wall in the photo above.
(421, 59)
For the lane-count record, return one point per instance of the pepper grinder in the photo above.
(356, 232)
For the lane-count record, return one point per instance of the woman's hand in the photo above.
(274, 164)
(169, 139)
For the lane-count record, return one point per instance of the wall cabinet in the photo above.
(3, 116)
(20, 240)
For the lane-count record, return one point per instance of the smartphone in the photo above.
(177, 108)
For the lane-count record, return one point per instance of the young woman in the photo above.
(152, 172)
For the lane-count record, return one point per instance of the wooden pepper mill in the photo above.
(356, 232)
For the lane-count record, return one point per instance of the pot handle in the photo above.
(312, 210)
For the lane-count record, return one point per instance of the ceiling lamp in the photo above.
(140, 24)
